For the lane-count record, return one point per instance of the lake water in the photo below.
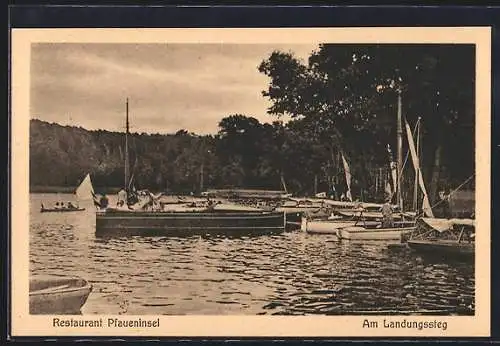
(293, 273)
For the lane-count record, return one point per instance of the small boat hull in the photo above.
(361, 233)
(115, 222)
(57, 295)
(442, 247)
(326, 226)
(294, 214)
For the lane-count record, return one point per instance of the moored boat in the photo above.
(123, 222)
(50, 294)
(370, 215)
(376, 232)
(328, 226)
(444, 237)
(150, 214)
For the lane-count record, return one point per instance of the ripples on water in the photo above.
(294, 273)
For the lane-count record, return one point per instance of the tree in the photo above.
(345, 99)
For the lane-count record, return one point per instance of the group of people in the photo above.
(125, 200)
(69, 205)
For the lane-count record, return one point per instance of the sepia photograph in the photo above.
(217, 175)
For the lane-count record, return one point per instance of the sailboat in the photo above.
(137, 219)
(400, 228)
(344, 213)
(83, 192)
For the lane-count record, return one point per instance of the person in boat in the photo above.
(445, 201)
(132, 197)
(387, 217)
(103, 202)
(122, 198)
(71, 206)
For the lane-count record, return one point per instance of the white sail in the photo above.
(85, 191)
(426, 206)
(347, 178)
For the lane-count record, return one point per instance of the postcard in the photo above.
(285, 182)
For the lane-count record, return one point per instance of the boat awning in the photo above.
(442, 225)
(439, 225)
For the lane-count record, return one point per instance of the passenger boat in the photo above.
(149, 217)
(132, 222)
(57, 294)
(444, 237)
(296, 208)
(375, 231)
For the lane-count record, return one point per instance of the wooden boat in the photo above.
(369, 215)
(83, 192)
(442, 247)
(329, 226)
(444, 237)
(372, 231)
(136, 222)
(57, 295)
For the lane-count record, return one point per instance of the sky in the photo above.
(169, 86)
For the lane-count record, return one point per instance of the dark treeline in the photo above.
(343, 100)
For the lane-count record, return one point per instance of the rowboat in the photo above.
(444, 237)
(83, 192)
(443, 247)
(44, 209)
(139, 222)
(57, 294)
(328, 226)
(376, 231)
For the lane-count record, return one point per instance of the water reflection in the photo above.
(287, 274)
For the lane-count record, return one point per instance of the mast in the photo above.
(127, 164)
(415, 196)
(400, 153)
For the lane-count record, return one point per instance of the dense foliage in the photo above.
(343, 100)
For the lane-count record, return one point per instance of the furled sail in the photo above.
(347, 177)
(394, 170)
(388, 188)
(426, 206)
(85, 191)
